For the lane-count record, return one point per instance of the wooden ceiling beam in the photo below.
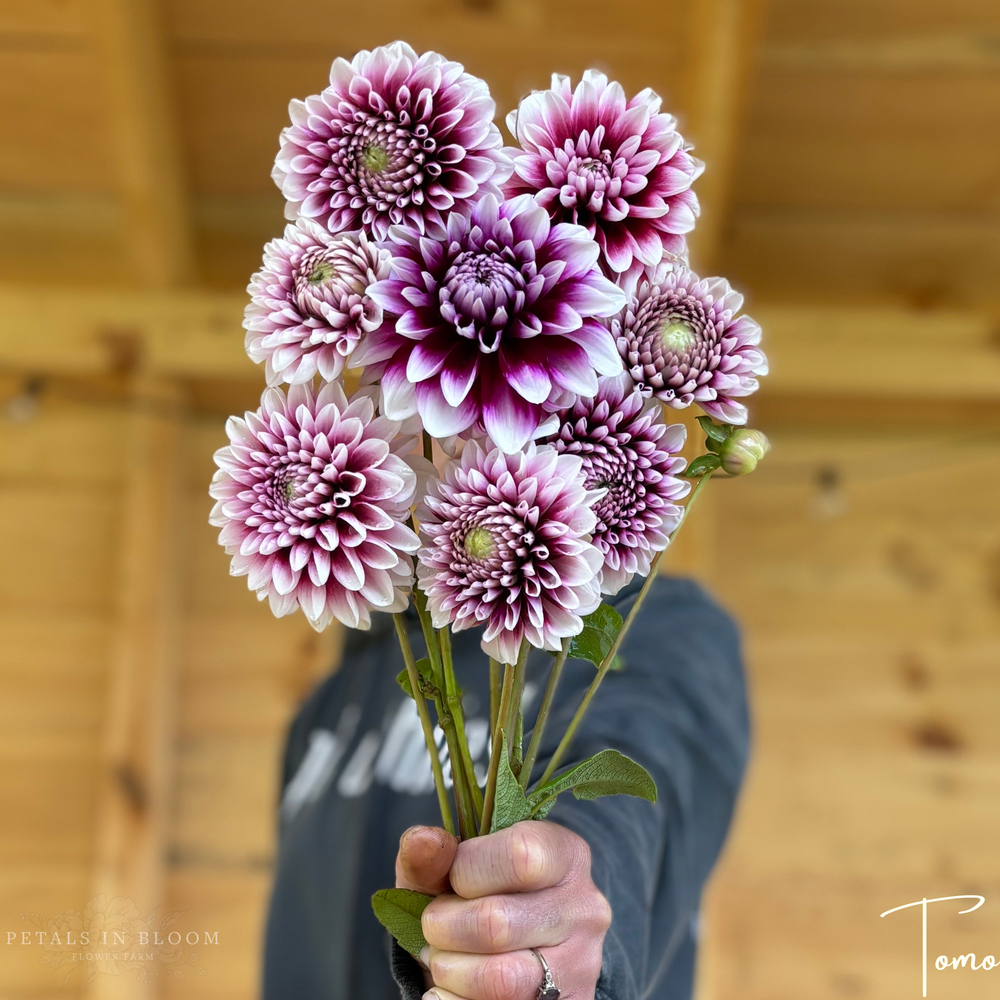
(884, 352)
(722, 41)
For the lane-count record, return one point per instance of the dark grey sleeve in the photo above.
(679, 708)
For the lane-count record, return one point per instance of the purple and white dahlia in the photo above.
(311, 499)
(309, 303)
(507, 546)
(494, 320)
(683, 342)
(616, 166)
(396, 139)
(632, 457)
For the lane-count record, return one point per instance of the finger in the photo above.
(425, 856)
(493, 924)
(439, 994)
(523, 858)
(514, 975)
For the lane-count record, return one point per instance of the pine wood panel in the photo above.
(823, 20)
(870, 140)
(52, 19)
(64, 88)
(873, 634)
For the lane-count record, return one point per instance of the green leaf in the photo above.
(600, 629)
(702, 465)
(398, 911)
(617, 664)
(423, 671)
(510, 805)
(606, 773)
(714, 431)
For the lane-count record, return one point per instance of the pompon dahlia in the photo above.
(309, 303)
(616, 166)
(395, 139)
(630, 454)
(682, 342)
(311, 498)
(508, 547)
(493, 320)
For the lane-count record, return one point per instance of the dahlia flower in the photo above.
(493, 320)
(631, 458)
(309, 303)
(682, 342)
(311, 498)
(507, 546)
(616, 166)
(396, 138)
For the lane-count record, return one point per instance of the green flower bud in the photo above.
(742, 450)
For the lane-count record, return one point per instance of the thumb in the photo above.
(424, 860)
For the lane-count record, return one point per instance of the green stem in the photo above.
(513, 716)
(425, 722)
(463, 797)
(613, 651)
(495, 682)
(453, 699)
(428, 447)
(503, 702)
(543, 713)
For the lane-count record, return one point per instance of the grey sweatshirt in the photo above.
(356, 775)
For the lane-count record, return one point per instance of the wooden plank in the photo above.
(234, 903)
(71, 568)
(177, 333)
(63, 87)
(136, 771)
(910, 259)
(52, 19)
(148, 162)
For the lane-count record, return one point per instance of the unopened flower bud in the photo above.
(742, 450)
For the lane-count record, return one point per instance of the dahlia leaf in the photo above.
(703, 465)
(606, 773)
(423, 672)
(600, 629)
(399, 911)
(510, 805)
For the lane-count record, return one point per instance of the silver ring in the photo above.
(548, 990)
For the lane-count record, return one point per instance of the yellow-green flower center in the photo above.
(322, 271)
(479, 543)
(374, 158)
(289, 489)
(677, 336)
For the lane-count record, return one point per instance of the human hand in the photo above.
(499, 896)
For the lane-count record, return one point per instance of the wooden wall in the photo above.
(853, 191)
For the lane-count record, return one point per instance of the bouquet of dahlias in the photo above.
(528, 308)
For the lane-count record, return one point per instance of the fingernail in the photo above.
(431, 995)
(425, 959)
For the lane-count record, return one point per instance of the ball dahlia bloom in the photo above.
(493, 320)
(683, 342)
(309, 303)
(507, 546)
(632, 459)
(395, 139)
(311, 499)
(616, 166)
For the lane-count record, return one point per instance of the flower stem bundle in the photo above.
(523, 319)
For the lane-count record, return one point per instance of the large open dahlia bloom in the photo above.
(493, 320)
(630, 454)
(309, 303)
(508, 547)
(683, 342)
(616, 166)
(396, 138)
(311, 499)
